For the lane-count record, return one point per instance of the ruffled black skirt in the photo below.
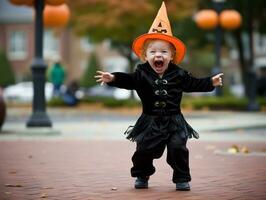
(152, 130)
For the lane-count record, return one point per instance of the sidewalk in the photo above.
(100, 170)
(86, 162)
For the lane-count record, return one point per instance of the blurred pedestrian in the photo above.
(70, 95)
(160, 82)
(57, 77)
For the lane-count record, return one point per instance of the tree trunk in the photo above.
(242, 62)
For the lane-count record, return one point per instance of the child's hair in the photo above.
(146, 44)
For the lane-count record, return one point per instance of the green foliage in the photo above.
(217, 103)
(88, 79)
(188, 102)
(56, 102)
(6, 74)
(122, 21)
(200, 63)
(112, 102)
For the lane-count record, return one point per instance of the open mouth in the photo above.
(158, 63)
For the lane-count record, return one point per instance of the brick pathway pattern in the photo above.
(99, 169)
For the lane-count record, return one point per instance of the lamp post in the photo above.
(218, 19)
(39, 118)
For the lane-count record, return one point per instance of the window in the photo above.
(17, 45)
(51, 45)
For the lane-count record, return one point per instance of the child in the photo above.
(159, 83)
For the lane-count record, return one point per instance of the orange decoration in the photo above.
(22, 2)
(56, 16)
(55, 2)
(230, 19)
(207, 19)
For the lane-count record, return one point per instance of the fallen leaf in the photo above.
(12, 172)
(48, 188)
(233, 149)
(244, 149)
(12, 185)
(44, 195)
(114, 188)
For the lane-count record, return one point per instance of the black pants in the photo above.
(177, 158)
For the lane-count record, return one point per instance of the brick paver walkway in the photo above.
(92, 170)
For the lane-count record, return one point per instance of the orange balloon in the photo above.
(55, 2)
(230, 19)
(207, 19)
(56, 16)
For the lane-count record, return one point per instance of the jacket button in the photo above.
(161, 81)
(164, 92)
(164, 81)
(160, 92)
(160, 104)
(163, 104)
(157, 104)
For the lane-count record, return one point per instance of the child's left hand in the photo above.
(217, 80)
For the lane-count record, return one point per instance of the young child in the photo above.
(159, 83)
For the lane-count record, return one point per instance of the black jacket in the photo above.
(161, 98)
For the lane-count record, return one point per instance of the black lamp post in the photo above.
(39, 118)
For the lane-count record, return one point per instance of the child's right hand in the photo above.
(104, 77)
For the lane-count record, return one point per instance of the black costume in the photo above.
(161, 123)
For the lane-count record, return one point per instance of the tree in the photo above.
(122, 21)
(6, 74)
(254, 19)
(88, 79)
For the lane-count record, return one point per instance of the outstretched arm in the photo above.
(118, 79)
(104, 77)
(192, 84)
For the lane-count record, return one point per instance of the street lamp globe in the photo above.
(230, 19)
(56, 16)
(207, 19)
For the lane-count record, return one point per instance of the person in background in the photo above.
(57, 77)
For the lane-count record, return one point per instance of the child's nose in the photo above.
(158, 53)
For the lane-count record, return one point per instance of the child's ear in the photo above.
(145, 57)
(172, 57)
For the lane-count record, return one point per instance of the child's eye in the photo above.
(165, 51)
(152, 52)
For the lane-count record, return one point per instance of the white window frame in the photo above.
(51, 45)
(17, 45)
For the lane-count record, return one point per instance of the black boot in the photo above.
(183, 186)
(141, 182)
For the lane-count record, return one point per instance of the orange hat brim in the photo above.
(178, 44)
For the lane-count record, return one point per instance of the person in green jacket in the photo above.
(57, 77)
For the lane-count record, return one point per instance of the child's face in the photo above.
(159, 54)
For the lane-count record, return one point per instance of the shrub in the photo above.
(6, 74)
(88, 79)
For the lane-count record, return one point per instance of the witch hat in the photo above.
(161, 29)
